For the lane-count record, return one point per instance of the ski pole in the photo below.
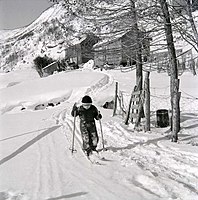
(103, 147)
(74, 129)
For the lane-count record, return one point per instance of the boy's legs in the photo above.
(93, 136)
(94, 140)
(85, 138)
(89, 137)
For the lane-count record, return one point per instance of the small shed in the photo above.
(119, 49)
(50, 69)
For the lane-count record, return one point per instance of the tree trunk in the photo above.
(173, 69)
(147, 101)
(138, 46)
(116, 98)
(139, 75)
(176, 111)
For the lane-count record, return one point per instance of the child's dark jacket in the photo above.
(86, 115)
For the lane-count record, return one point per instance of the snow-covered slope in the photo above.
(35, 160)
(57, 28)
(50, 35)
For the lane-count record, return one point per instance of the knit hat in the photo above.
(86, 99)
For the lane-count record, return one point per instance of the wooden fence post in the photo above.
(129, 109)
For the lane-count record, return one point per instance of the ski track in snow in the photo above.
(133, 150)
(52, 173)
(80, 161)
(59, 175)
(181, 168)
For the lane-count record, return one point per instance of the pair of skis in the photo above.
(73, 138)
(95, 158)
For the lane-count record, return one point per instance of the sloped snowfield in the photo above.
(36, 135)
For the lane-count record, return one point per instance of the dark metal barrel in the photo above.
(162, 118)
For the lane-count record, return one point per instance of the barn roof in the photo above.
(109, 40)
(74, 40)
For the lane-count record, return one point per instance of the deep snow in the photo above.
(35, 137)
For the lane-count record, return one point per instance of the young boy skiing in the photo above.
(87, 114)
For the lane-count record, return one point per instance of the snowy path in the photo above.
(163, 165)
(100, 177)
(36, 163)
(54, 173)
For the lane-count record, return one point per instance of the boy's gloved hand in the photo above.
(75, 107)
(99, 116)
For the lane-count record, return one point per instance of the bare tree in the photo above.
(113, 17)
(174, 85)
(189, 13)
(131, 15)
(183, 22)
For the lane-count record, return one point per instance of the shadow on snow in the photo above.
(68, 196)
(28, 144)
(8, 138)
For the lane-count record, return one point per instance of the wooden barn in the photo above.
(81, 50)
(119, 49)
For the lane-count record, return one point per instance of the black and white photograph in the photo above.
(99, 99)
